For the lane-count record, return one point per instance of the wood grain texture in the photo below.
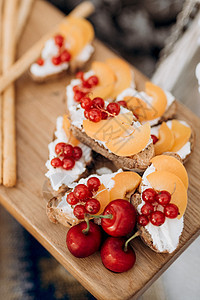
(37, 108)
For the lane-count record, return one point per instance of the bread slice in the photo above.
(169, 113)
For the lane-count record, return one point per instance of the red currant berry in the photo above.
(56, 162)
(92, 206)
(93, 183)
(142, 220)
(81, 192)
(79, 211)
(79, 75)
(71, 199)
(171, 211)
(59, 148)
(93, 80)
(86, 114)
(68, 150)
(68, 163)
(154, 138)
(113, 108)
(104, 115)
(40, 62)
(157, 218)
(78, 95)
(98, 102)
(76, 88)
(163, 198)
(56, 60)
(77, 153)
(86, 103)
(122, 103)
(59, 39)
(86, 84)
(147, 209)
(149, 195)
(94, 115)
(65, 56)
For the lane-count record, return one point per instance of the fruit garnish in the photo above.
(68, 163)
(154, 138)
(81, 192)
(147, 209)
(113, 108)
(157, 218)
(149, 195)
(94, 115)
(92, 206)
(79, 211)
(56, 60)
(143, 220)
(40, 61)
(56, 162)
(59, 40)
(171, 211)
(93, 183)
(163, 198)
(71, 199)
(77, 153)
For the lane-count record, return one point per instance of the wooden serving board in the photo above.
(37, 108)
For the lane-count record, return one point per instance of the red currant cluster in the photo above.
(154, 138)
(64, 55)
(95, 109)
(82, 197)
(157, 206)
(85, 87)
(67, 155)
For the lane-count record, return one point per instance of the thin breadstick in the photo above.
(1, 129)
(18, 68)
(9, 134)
(23, 14)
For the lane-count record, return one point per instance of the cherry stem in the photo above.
(87, 220)
(130, 239)
(100, 216)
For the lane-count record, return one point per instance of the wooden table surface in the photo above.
(37, 107)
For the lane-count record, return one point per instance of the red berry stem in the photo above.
(130, 239)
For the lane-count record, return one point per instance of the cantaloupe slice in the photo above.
(122, 73)
(181, 133)
(109, 129)
(163, 180)
(125, 182)
(132, 144)
(106, 80)
(165, 139)
(103, 195)
(137, 106)
(66, 126)
(171, 164)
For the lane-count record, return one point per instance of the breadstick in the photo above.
(23, 14)
(1, 129)
(9, 135)
(18, 68)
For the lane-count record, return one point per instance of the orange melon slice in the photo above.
(132, 144)
(181, 133)
(106, 80)
(163, 180)
(122, 73)
(125, 182)
(66, 126)
(171, 164)
(165, 139)
(109, 129)
(103, 195)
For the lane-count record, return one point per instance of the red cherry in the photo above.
(56, 162)
(114, 257)
(81, 244)
(86, 114)
(81, 192)
(94, 115)
(123, 218)
(163, 198)
(79, 75)
(92, 206)
(71, 199)
(122, 103)
(157, 218)
(154, 138)
(98, 102)
(93, 80)
(142, 220)
(113, 108)
(65, 56)
(171, 211)
(104, 115)
(147, 209)
(149, 195)
(56, 60)
(77, 153)
(68, 150)
(78, 95)
(59, 39)
(93, 183)
(40, 62)
(79, 211)
(86, 103)
(68, 163)
(59, 148)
